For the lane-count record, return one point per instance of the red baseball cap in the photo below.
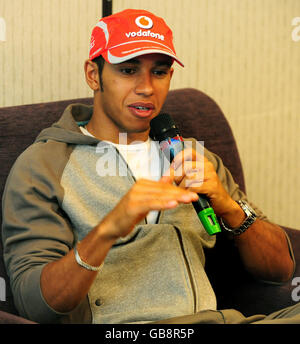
(131, 33)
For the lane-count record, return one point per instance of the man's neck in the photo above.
(100, 127)
(116, 137)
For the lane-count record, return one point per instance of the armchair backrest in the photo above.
(196, 114)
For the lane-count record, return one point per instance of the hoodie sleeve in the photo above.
(35, 230)
(229, 184)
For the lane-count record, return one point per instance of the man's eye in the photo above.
(127, 71)
(159, 72)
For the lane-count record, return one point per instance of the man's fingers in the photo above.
(188, 154)
(166, 179)
(151, 191)
(164, 192)
(145, 196)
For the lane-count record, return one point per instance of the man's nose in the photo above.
(144, 84)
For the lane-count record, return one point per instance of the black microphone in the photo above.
(165, 131)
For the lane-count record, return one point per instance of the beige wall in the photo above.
(243, 53)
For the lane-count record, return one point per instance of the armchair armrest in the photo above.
(7, 318)
(235, 288)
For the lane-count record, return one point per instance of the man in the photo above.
(124, 248)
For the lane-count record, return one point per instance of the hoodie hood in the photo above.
(66, 129)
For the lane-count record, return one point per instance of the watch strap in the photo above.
(250, 218)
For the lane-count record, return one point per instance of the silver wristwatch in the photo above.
(251, 216)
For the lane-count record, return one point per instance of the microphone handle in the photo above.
(202, 203)
(205, 212)
(206, 215)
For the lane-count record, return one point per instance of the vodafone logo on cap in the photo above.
(144, 22)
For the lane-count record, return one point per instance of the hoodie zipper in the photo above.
(187, 265)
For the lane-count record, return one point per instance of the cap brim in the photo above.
(129, 50)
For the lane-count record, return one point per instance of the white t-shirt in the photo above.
(143, 159)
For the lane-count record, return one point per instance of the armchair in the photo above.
(197, 115)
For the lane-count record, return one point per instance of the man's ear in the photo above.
(92, 75)
(171, 72)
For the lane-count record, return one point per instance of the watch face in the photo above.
(246, 206)
(250, 218)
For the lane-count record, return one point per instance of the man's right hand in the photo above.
(145, 196)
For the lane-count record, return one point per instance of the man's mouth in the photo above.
(141, 109)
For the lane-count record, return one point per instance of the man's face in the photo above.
(133, 93)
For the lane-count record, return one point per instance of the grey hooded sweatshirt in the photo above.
(55, 195)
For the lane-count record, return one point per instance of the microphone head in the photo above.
(162, 127)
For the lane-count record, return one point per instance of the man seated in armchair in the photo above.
(80, 246)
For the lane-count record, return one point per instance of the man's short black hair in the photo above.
(100, 63)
